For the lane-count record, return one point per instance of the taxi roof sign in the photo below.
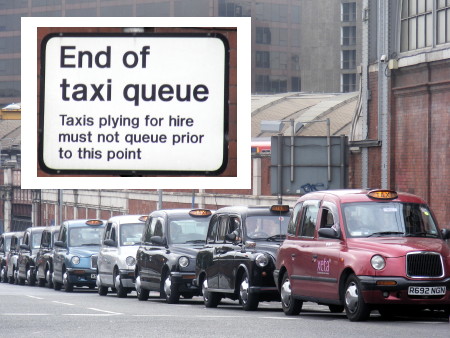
(279, 208)
(200, 212)
(382, 194)
(94, 222)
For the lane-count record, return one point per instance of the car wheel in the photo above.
(249, 301)
(290, 305)
(355, 307)
(102, 290)
(16, 276)
(30, 278)
(211, 299)
(68, 287)
(121, 292)
(41, 282)
(49, 278)
(336, 308)
(170, 290)
(3, 275)
(142, 294)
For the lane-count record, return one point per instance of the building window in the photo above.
(262, 59)
(263, 35)
(348, 83)
(417, 23)
(271, 84)
(349, 35)
(348, 59)
(296, 84)
(349, 12)
(443, 21)
(233, 9)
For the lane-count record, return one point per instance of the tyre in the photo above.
(290, 305)
(30, 278)
(3, 275)
(171, 293)
(248, 300)
(41, 282)
(102, 290)
(49, 278)
(355, 307)
(121, 292)
(142, 294)
(68, 287)
(211, 299)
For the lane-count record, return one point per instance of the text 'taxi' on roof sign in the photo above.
(134, 104)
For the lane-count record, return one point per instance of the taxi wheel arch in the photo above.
(210, 299)
(170, 289)
(49, 276)
(291, 306)
(142, 294)
(68, 287)
(30, 278)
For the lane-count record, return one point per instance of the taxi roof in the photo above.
(358, 195)
(82, 222)
(250, 210)
(175, 212)
(125, 219)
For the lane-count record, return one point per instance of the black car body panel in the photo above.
(44, 257)
(165, 261)
(5, 242)
(11, 257)
(26, 261)
(238, 259)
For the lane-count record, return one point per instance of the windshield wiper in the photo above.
(385, 233)
(196, 241)
(422, 233)
(276, 237)
(90, 244)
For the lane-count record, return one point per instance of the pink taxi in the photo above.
(361, 250)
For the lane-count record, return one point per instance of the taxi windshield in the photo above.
(130, 234)
(373, 219)
(85, 236)
(270, 227)
(183, 231)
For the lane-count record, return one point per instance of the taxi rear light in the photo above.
(279, 208)
(200, 212)
(94, 222)
(188, 276)
(78, 272)
(386, 282)
(382, 194)
(143, 218)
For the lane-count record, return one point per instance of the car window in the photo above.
(212, 231)
(154, 228)
(223, 228)
(131, 233)
(36, 240)
(63, 234)
(107, 232)
(292, 226)
(309, 218)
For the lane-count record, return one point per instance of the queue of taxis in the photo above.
(360, 250)
(351, 250)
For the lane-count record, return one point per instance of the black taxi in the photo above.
(5, 242)
(238, 259)
(26, 261)
(44, 257)
(11, 257)
(165, 260)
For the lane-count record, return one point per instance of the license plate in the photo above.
(426, 290)
(93, 276)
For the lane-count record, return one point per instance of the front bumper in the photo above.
(185, 282)
(82, 277)
(374, 293)
(128, 278)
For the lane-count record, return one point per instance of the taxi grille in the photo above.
(94, 259)
(424, 264)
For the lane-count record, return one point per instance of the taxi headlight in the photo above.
(261, 260)
(75, 260)
(130, 260)
(183, 261)
(378, 262)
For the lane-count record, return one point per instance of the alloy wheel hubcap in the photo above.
(351, 297)
(244, 290)
(286, 293)
(167, 285)
(205, 290)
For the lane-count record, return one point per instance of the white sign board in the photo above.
(131, 104)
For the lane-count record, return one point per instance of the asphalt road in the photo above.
(40, 312)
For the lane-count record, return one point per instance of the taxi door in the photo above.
(228, 252)
(302, 250)
(325, 267)
(107, 254)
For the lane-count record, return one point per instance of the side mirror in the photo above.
(445, 233)
(25, 247)
(230, 237)
(158, 240)
(60, 244)
(328, 233)
(110, 242)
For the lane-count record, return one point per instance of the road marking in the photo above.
(25, 314)
(109, 312)
(55, 301)
(282, 318)
(34, 297)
